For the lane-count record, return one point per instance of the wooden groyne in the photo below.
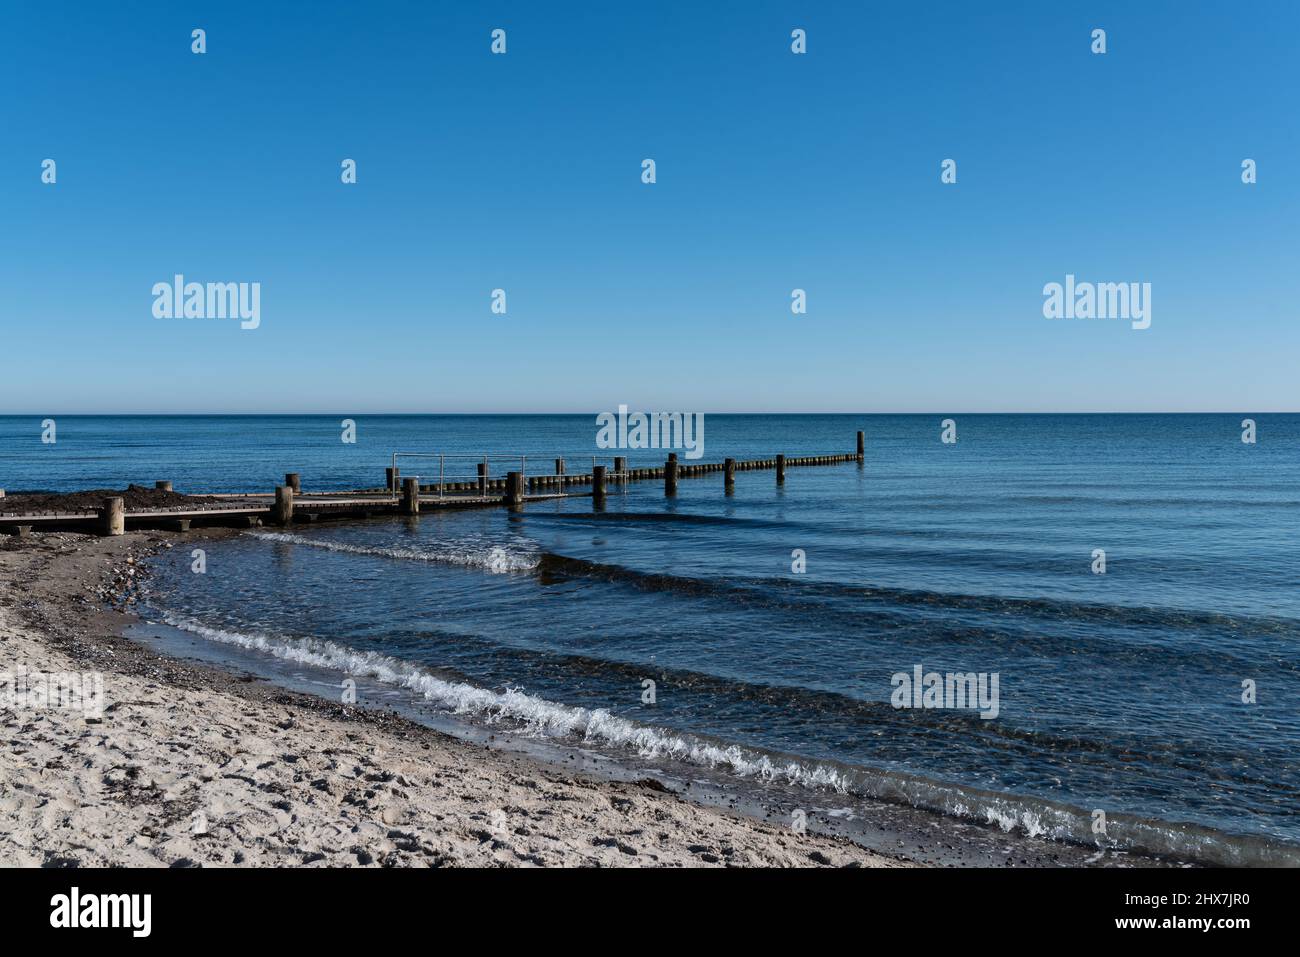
(288, 504)
(686, 470)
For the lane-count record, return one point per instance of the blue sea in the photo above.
(1163, 693)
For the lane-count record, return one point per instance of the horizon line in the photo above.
(259, 414)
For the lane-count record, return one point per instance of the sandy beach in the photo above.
(192, 766)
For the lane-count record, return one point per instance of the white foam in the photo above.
(542, 717)
(497, 559)
(535, 715)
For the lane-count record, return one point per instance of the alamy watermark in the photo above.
(179, 299)
(23, 690)
(954, 690)
(652, 430)
(75, 909)
(1101, 300)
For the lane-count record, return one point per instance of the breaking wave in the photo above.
(530, 714)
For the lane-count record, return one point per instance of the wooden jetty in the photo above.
(287, 504)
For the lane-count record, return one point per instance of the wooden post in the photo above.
(160, 486)
(291, 480)
(482, 478)
(598, 486)
(514, 491)
(411, 496)
(862, 445)
(780, 470)
(282, 513)
(670, 475)
(672, 456)
(112, 517)
(729, 471)
(393, 478)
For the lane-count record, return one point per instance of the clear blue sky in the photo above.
(775, 171)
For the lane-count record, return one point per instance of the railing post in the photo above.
(483, 476)
(392, 479)
(292, 480)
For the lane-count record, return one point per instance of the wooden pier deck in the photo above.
(287, 504)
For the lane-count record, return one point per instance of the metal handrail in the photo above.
(442, 458)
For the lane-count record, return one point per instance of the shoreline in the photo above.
(190, 765)
(70, 606)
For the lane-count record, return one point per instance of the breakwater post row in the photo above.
(484, 484)
(399, 494)
(671, 472)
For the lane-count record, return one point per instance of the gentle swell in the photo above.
(497, 559)
(768, 590)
